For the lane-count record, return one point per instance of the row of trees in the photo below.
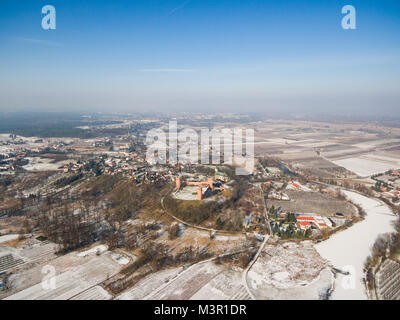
(387, 244)
(70, 229)
(192, 211)
(67, 180)
(290, 232)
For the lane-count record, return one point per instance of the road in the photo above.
(260, 249)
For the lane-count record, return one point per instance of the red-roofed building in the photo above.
(303, 218)
(304, 225)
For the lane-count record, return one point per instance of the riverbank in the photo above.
(348, 250)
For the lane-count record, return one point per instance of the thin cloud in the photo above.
(40, 42)
(178, 8)
(166, 70)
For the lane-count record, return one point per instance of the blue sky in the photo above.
(194, 55)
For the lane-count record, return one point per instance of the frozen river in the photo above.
(348, 249)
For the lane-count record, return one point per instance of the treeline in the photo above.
(290, 232)
(269, 162)
(70, 229)
(210, 171)
(49, 150)
(102, 185)
(125, 201)
(53, 125)
(65, 181)
(384, 246)
(232, 222)
(388, 243)
(129, 196)
(192, 211)
(5, 181)
(16, 210)
(395, 209)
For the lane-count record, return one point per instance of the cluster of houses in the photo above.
(277, 195)
(273, 172)
(297, 186)
(132, 166)
(388, 185)
(9, 160)
(311, 224)
(14, 141)
(308, 222)
(103, 143)
(11, 157)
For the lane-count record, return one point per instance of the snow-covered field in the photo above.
(224, 286)
(188, 282)
(149, 284)
(375, 143)
(94, 293)
(119, 258)
(41, 164)
(290, 271)
(97, 249)
(8, 237)
(365, 166)
(75, 276)
(204, 280)
(348, 249)
(315, 143)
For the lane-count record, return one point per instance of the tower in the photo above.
(211, 183)
(200, 193)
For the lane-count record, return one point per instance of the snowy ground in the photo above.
(368, 165)
(42, 164)
(187, 193)
(204, 281)
(289, 271)
(119, 258)
(95, 250)
(76, 273)
(349, 249)
(149, 284)
(8, 237)
(187, 283)
(74, 276)
(375, 143)
(94, 293)
(224, 286)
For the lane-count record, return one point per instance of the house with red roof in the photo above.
(304, 225)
